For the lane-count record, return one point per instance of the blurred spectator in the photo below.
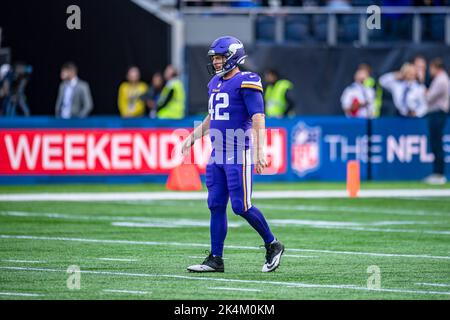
(153, 94)
(438, 107)
(289, 3)
(130, 92)
(278, 95)
(370, 82)
(74, 96)
(171, 102)
(338, 4)
(408, 94)
(357, 99)
(4, 86)
(292, 3)
(244, 3)
(421, 66)
(12, 89)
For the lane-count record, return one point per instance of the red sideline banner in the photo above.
(111, 151)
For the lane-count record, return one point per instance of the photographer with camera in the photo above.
(4, 86)
(12, 89)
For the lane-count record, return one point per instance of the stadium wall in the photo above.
(114, 150)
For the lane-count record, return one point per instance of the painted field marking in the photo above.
(443, 232)
(118, 259)
(298, 256)
(275, 283)
(234, 289)
(156, 221)
(202, 245)
(125, 291)
(173, 223)
(310, 208)
(144, 222)
(308, 194)
(23, 261)
(180, 223)
(20, 294)
(359, 209)
(434, 284)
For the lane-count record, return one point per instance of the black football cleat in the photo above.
(210, 264)
(274, 252)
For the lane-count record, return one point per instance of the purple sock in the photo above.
(218, 229)
(259, 223)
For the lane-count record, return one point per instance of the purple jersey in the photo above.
(232, 103)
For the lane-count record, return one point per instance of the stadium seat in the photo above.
(265, 28)
(433, 27)
(348, 28)
(320, 27)
(297, 28)
(365, 3)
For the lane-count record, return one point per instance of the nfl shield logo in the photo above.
(305, 149)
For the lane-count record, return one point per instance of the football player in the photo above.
(235, 106)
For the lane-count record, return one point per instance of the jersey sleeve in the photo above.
(252, 93)
(251, 81)
(253, 100)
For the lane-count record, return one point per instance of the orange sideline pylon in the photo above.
(184, 177)
(353, 178)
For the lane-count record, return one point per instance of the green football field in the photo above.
(336, 248)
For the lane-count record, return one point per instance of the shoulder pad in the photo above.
(251, 80)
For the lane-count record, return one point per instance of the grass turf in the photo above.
(331, 256)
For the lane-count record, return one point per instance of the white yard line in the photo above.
(298, 256)
(291, 223)
(118, 259)
(151, 221)
(234, 289)
(275, 283)
(427, 199)
(20, 294)
(171, 223)
(125, 291)
(144, 222)
(137, 196)
(312, 208)
(203, 245)
(358, 209)
(181, 223)
(23, 261)
(434, 284)
(436, 232)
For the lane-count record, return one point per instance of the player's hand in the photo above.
(186, 146)
(260, 162)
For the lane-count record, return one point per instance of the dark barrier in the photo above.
(5, 56)
(319, 74)
(114, 35)
(110, 149)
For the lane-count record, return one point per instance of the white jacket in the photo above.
(407, 95)
(364, 95)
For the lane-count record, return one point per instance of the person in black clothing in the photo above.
(152, 95)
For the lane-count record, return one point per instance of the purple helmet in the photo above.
(233, 51)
